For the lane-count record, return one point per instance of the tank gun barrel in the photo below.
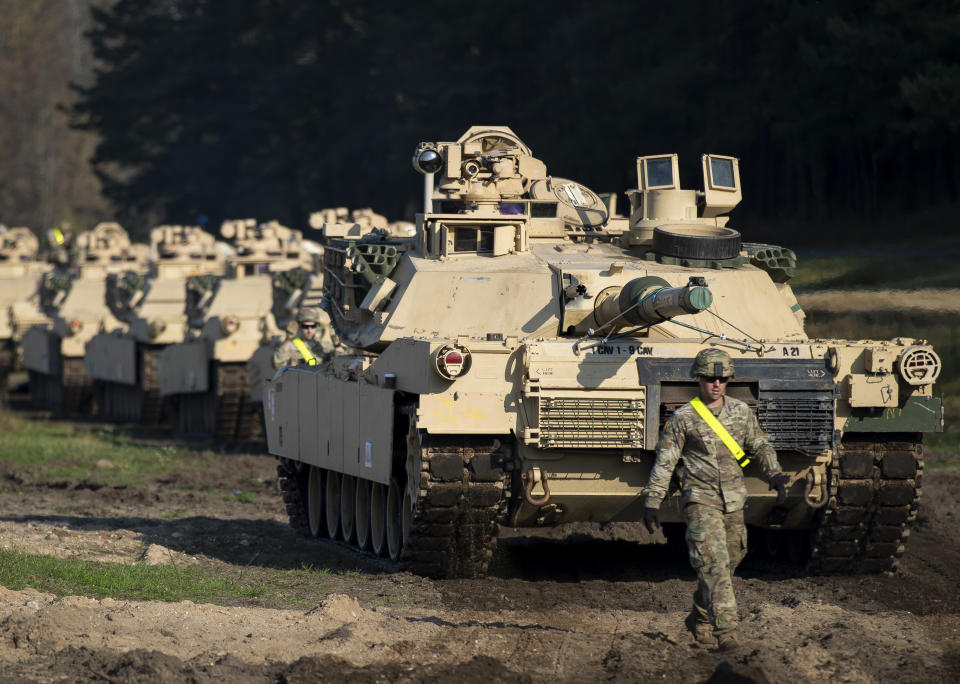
(649, 300)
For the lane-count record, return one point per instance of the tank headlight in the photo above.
(229, 324)
(427, 160)
(919, 365)
(74, 326)
(451, 361)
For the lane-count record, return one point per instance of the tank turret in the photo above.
(212, 378)
(150, 313)
(75, 299)
(21, 270)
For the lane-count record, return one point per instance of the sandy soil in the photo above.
(581, 603)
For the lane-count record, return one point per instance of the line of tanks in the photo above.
(509, 360)
(179, 332)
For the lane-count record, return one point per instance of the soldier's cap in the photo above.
(309, 315)
(713, 363)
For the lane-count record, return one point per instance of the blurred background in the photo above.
(845, 116)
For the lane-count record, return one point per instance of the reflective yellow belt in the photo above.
(720, 431)
(305, 351)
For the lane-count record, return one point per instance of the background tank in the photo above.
(21, 270)
(214, 378)
(74, 299)
(149, 313)
(518, 356)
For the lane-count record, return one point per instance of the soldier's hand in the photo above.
(780, 483)
(651, 518)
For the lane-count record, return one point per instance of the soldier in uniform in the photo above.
(708, 436)
(308, 346)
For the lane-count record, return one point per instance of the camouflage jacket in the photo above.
(709, 474)
(287, 353)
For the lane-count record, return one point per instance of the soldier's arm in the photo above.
(761, 451)
(278, 357)
(669, 449)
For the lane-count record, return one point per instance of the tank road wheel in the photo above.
(874, 492)
(315, 508)
(453, 497)
(394, 520)
(361, 512)
(332, 497)
(348, 488)
(378, 518)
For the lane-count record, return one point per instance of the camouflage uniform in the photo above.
(712, 495)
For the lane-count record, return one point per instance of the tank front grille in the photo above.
(591, 423)
(799, 424)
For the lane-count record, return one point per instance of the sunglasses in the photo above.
(715, 378)
(308, 326)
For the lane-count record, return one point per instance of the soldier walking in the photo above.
(708, 436)
(308, 346)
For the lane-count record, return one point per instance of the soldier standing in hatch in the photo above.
(308, 346)
(708, 436)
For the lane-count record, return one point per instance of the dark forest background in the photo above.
(845, 114)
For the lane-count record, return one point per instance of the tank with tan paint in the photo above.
(212, 380)
(517, 357)
(74, 301)
(149, 313)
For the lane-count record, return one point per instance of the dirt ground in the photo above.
(580, 603)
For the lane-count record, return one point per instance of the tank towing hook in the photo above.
(530, 479)
(814, 479)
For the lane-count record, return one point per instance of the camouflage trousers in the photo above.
(717, 542)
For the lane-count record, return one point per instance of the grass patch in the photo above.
(63, 577)
(56, 452)
(136, 582)
(874, 272)
(173, 515)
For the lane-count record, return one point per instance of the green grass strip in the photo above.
(55, 451)
(66, 577)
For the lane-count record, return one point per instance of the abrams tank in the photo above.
(74, 300)
(214, 378)
(21, 271)
(516, 359)
(148, 314)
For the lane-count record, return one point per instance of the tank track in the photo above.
(119, 402)
(462, 496)
(238, 417)
(151, 412)
(293, 488)
(454, 528)
(7, 357)
(77, 396)
(874, 491)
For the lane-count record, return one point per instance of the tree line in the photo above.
(273, 108)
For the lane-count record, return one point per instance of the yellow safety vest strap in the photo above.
(720, 431)
(305, 351)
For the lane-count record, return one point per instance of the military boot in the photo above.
(699, 627)
(728, 641)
